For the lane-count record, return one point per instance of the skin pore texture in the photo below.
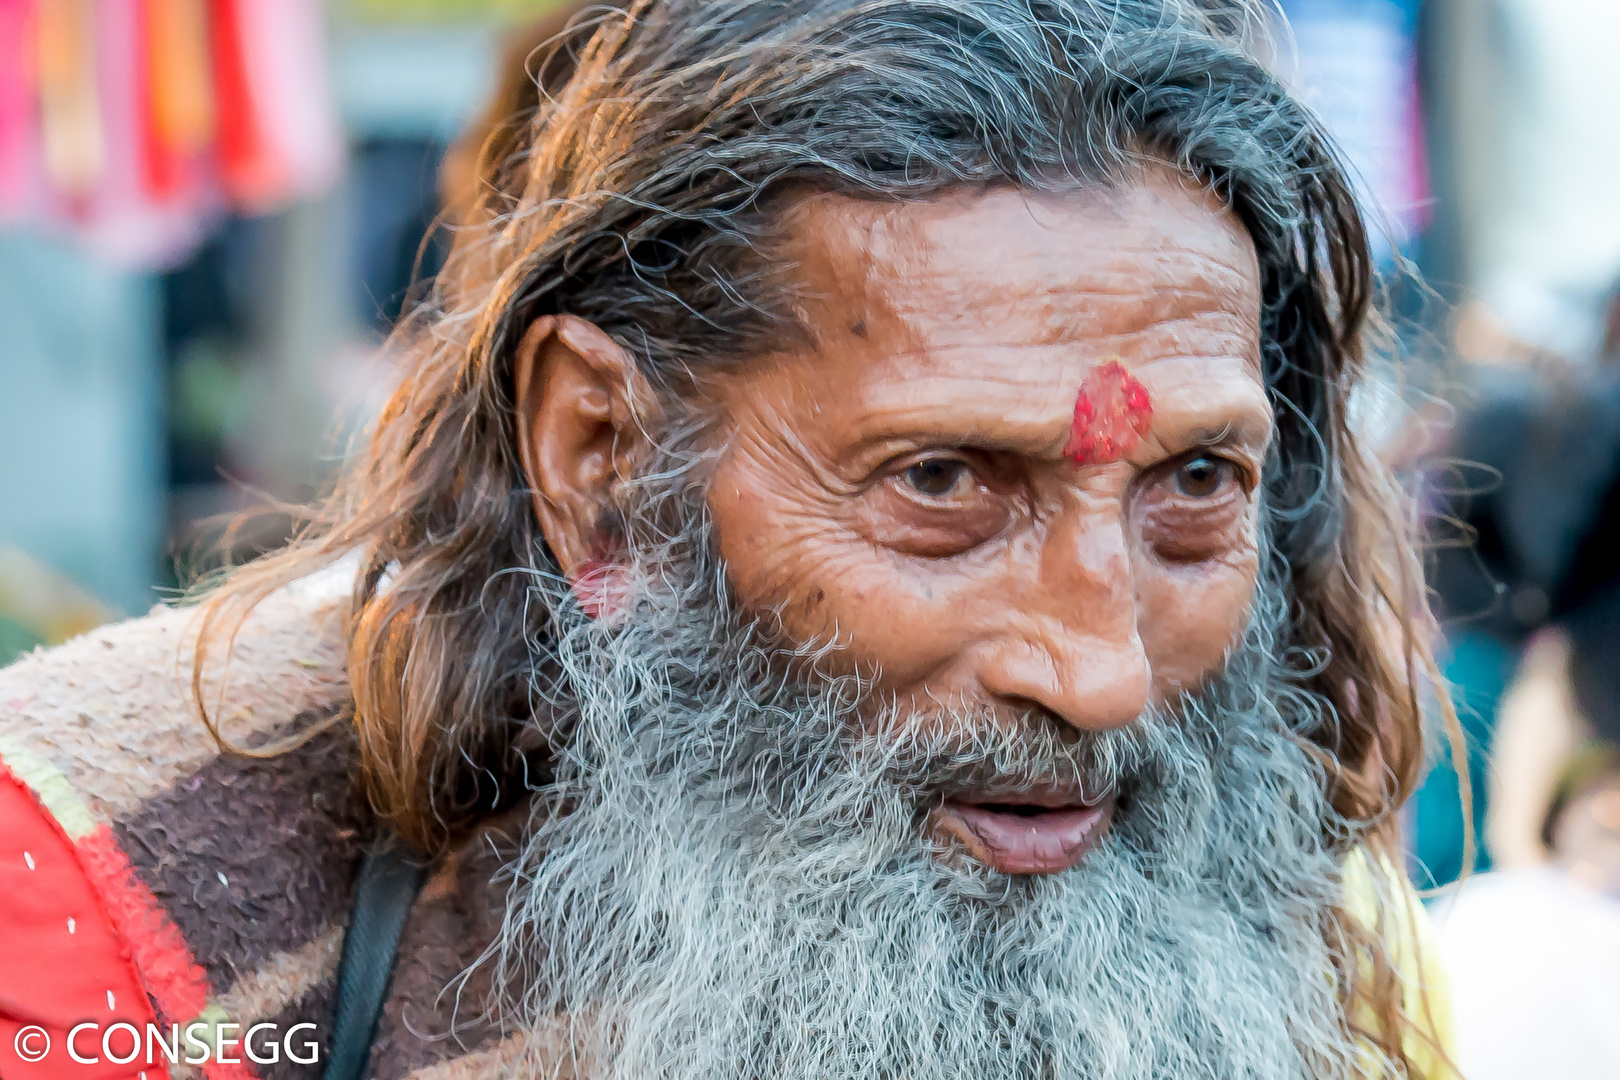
(898, 743)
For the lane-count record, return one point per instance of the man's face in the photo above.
(900, 486)
(1054, 653)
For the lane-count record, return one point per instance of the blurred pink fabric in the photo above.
(137, 212)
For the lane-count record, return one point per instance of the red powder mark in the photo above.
(1111, 415)
(601, 588)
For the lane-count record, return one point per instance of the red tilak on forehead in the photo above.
(1111, 415)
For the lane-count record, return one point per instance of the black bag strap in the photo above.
(390, 878)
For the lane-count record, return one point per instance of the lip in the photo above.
(1053, 833)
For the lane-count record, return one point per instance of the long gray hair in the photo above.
(645, 195)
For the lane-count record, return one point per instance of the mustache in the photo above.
(932, 756)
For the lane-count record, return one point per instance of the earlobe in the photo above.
(573, 387)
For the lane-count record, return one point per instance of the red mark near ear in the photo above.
(1111, 415)
(600, 588)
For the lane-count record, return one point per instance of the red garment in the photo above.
(63, 963)
(85, 942)
(247, 163)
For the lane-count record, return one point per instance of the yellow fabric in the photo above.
(1410, 938)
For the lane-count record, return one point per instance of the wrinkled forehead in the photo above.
(1097, 265)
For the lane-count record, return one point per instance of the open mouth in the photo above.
(1039, 832)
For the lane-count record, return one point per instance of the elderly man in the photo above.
(868, 572)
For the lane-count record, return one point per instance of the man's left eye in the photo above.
(1203, 476)
(939, 478)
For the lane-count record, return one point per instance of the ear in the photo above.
(576, 393)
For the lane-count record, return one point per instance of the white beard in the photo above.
(723, 882)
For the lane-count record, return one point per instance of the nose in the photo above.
(1076, 651)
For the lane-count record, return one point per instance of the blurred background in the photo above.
(213, 211)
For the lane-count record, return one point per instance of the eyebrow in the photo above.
(982, 427)
(1041, 438)
(1243, 430)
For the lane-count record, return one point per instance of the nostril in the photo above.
(1085, 684)
(1030, 710)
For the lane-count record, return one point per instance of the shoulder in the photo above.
(112, 710)
(215, 883)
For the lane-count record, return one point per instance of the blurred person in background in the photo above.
(1051, 800)
(1527, 532)
(1534, 945)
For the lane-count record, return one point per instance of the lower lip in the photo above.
(1043, 843)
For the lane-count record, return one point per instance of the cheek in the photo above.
(1190, 615)
(906, 625)
(773, 536)
(799, 553)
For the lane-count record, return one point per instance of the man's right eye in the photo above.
(939, 478)
(1203, 476)
(938, 504)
